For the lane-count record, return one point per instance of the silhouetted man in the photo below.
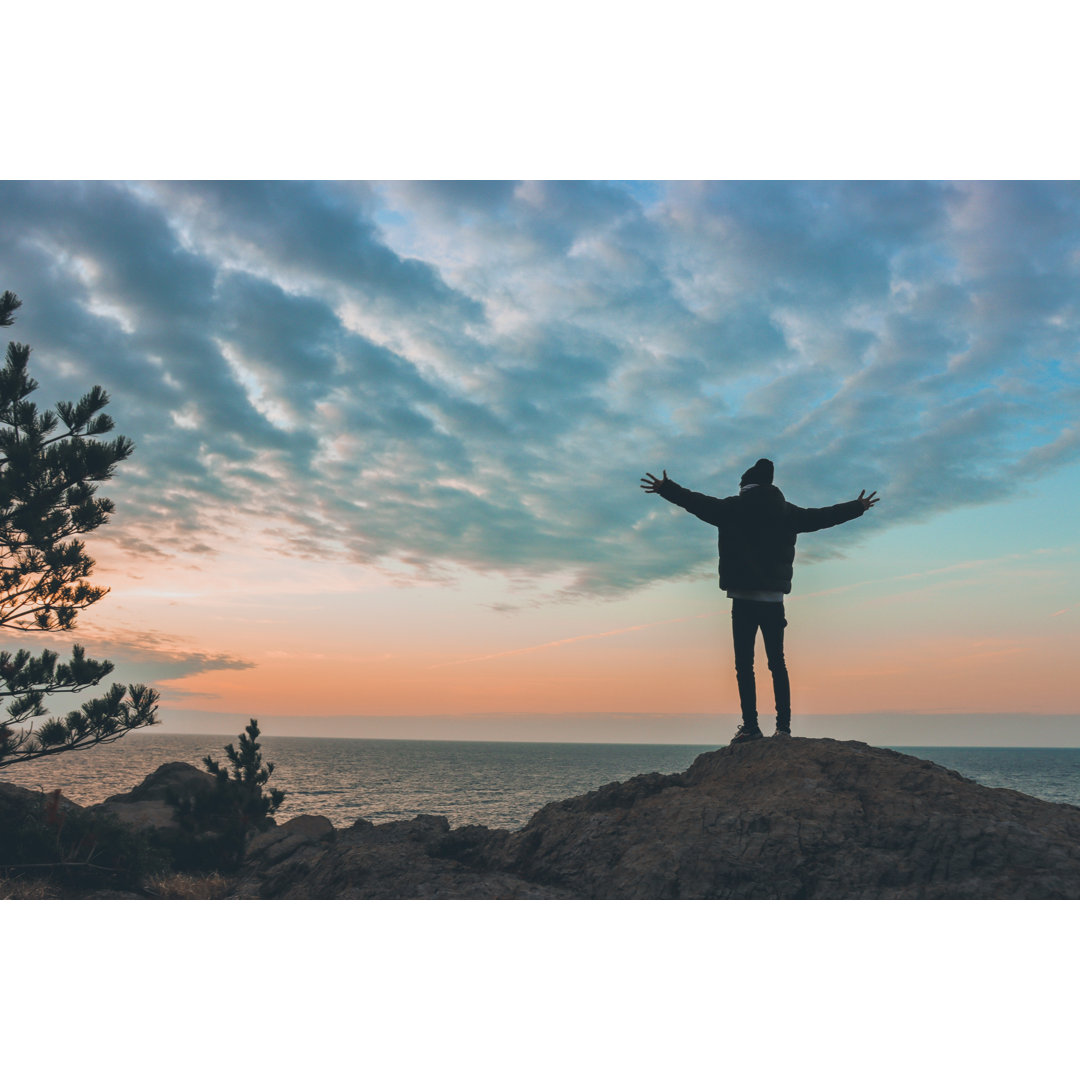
(757, 531)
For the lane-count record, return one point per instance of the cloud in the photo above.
(138, 656)
(430, 376)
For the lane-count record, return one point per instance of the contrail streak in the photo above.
(572, 640)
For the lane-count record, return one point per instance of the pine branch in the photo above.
(48, 486)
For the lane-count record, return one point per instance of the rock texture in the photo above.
(776, 819)
(146, 805)
(802, 819)
(400, 860)
(16, 800)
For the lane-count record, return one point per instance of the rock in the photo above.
(776, 819)
(176, 778)
(14, 799)
(273, 844)
(146, 806)
(399, 860)
(314, 826)
(801, 819)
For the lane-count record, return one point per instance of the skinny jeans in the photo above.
(747, 617)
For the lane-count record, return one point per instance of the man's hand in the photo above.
(651, 485)
(868, 500)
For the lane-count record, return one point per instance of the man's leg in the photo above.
(772, 633)
(744, 625)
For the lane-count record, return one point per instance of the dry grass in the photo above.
(18, 888)
(174, 886)
(170, 886)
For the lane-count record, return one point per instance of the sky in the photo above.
(389, 438)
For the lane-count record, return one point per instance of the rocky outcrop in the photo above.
(400, 860)
(14, 799)
(148, 806)
(776, 819)
(801, 819)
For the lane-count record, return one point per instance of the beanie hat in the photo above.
(760, 473)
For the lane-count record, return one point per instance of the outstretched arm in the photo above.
(703, 506)
(825, 517)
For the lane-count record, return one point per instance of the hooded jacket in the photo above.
(757, 530)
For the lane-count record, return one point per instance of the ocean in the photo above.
(499, 784)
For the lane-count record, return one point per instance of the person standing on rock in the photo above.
(757, 533)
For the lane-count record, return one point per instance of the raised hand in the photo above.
(651, 485)
(868, 500)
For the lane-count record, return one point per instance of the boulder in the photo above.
(14, 799)
(146, 806)
(314, 826)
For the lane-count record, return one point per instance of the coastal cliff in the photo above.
(789, 819)
(769, 820)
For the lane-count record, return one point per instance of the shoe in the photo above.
(746, 734)
(782, 732)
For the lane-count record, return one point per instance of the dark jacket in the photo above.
(757, 530)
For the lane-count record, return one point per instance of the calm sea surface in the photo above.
(499, 784)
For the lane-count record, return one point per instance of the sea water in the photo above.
(498, 784)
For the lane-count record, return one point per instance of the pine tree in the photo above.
(248, 780)
(48, 486)
(217, 824)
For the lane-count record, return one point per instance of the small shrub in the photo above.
(245, 787)
(216, 825)
(70, 847)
